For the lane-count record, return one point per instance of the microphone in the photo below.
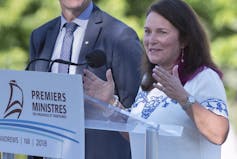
(95, 59)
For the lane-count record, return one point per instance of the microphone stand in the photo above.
(64, 62)
(34, 60)
(95, 59)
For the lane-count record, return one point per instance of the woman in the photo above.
(181, 84)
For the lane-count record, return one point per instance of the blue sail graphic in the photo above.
(16, 100)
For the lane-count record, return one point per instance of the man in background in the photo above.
(94, 29)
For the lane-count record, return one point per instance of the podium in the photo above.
(57, 132)
(143, 134)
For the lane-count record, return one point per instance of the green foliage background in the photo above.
(19, 18)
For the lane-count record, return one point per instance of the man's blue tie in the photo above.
(66, 50)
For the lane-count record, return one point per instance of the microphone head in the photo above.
(96, 59)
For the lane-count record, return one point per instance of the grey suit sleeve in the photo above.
(32, 47)
(32, 51)
(126, 66)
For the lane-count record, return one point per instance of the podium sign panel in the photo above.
(41, 114)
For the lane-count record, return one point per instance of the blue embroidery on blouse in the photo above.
(174, 101)
(216, 105)
(165, 103)
(150, 105)
(212, 104)
(141, 98)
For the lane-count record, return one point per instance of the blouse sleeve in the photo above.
(208, 90)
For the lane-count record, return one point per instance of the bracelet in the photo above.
(116, 101)
(110, 112)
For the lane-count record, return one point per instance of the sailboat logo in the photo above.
(16, 100)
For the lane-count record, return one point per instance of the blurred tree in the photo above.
(220, 19)
(17, 20)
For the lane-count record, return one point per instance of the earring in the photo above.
(182, 55)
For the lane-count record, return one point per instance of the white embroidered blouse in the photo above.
(156, 106)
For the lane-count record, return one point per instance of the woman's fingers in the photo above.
(162, 77)
(175, 71)
(109, 76)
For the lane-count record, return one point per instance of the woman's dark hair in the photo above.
(197, 49)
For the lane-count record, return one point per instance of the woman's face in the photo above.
(161, 41)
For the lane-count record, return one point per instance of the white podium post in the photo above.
(151, 144)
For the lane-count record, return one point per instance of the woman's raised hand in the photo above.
(170, 83)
